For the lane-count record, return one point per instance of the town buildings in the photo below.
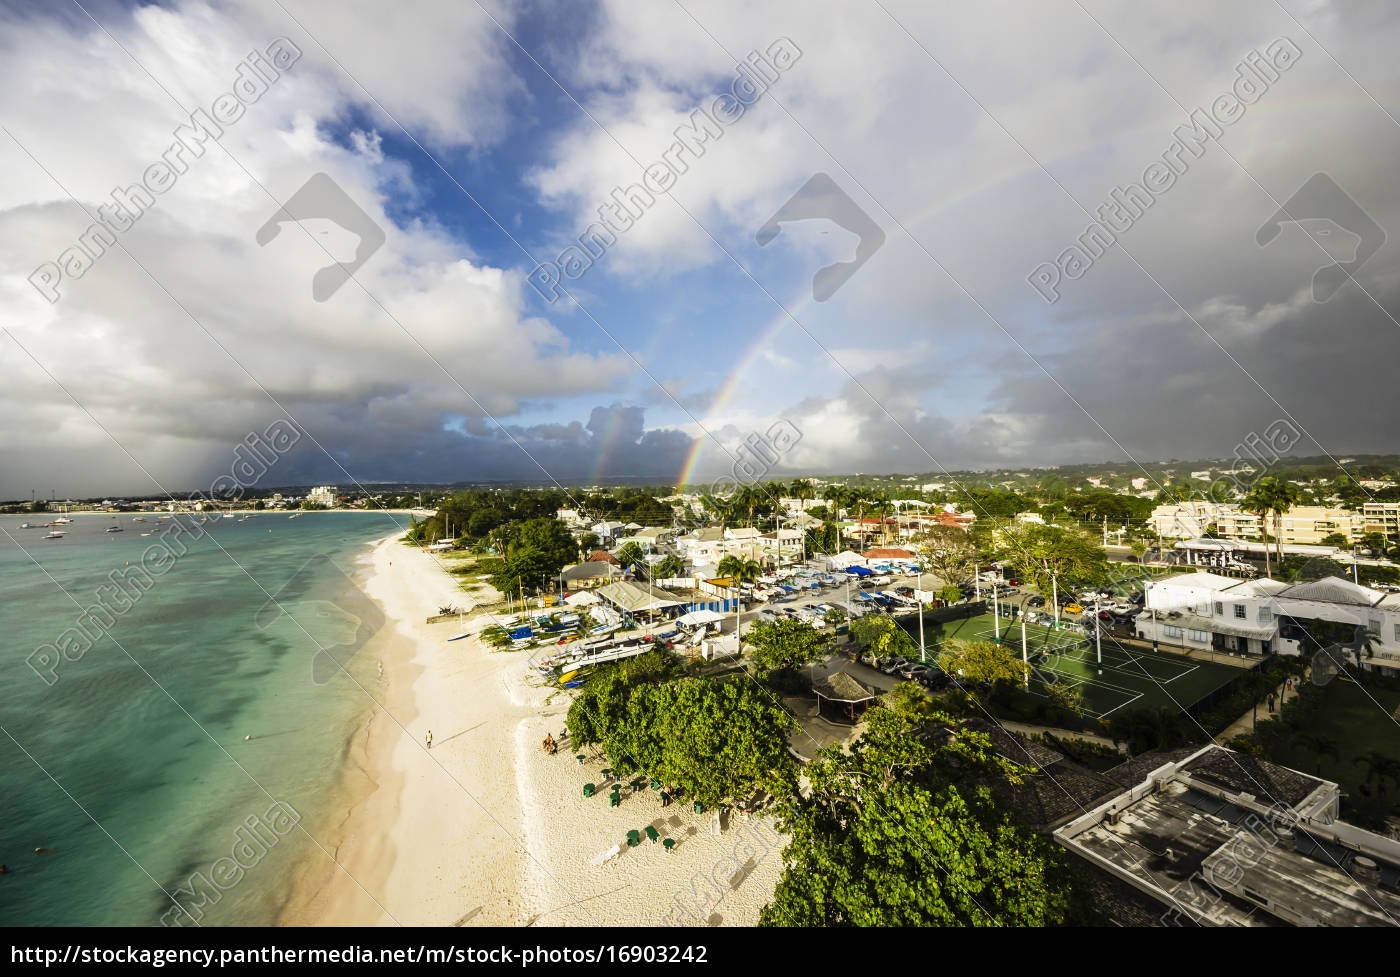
(1207, 611)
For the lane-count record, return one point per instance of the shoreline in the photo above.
(485, 828)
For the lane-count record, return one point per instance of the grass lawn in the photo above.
(1130, 678)
(1357, 720)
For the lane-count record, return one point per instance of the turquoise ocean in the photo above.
(130, 763)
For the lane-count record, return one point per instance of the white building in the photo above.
(1205, 611)
(325, 495)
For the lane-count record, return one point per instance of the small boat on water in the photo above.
(27, 525)
(56, 534)
(139, 519)
(115, 529)
(228, 515)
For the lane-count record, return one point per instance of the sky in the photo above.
(436, 162)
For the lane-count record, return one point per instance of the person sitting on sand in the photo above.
(549, 746)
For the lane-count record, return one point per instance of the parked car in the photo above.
(894, 665)
(1073, 608)
(1036, 601)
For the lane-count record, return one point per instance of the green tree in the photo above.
(947, 552)
(1335, 539)
(950, 594)
(739, 568)
(785, 643)
(1270, 496)
(901, 831)
(1042, 552)
(668, 566)
(982, 661)
(1380, 767)
(722, 738)
(630, 555)
(880, 637)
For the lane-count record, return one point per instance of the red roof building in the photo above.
(603, 556)
(887, 553)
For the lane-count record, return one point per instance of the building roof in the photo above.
(887, 553)
(843, 688)
(1207, 581)
(707, 534)
(1258, 588)
(1333, 590)
(1209, 851)
(590, 570)
(743, 532)
(603, 556)
(633, 597)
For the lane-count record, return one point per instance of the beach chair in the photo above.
(580, 758)
(669, 844)
(655, 784)
(607, 773)
(634, 838)
(588, 790)
(615, 800)
(652, 835)
(699, 808)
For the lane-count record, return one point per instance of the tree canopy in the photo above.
(786, 643)
(903, 831)
(713, 738)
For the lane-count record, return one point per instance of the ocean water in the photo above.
(127, 758)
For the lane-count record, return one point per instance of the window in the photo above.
(1397, 632)
(1266, 615)
(1239, 611)
(1220, 608)
(1374, 626)
(1201, 636)
(1171, 631)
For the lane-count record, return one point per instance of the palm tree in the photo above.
(1380, 767)
(739, 568)
(1258, 502)
(802, 489)
(883, 508)
(1271, 496)
(1318, 745)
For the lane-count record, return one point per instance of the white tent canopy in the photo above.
(847, 559)
(583, 597)
(696, 618)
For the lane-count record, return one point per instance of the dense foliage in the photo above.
(903, 830)
(713, 738)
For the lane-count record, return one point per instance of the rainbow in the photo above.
(1270, 105)
(731, 383)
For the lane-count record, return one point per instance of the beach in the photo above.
(485, 828)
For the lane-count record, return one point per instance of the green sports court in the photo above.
(1129, 677)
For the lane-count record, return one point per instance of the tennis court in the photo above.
(1125, 677)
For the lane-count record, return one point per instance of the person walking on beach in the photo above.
(429, 739)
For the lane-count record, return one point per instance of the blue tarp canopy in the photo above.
(860, 571)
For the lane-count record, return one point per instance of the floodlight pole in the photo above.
(1055, 597)
(1098, 642)
(920, 601)
(1025, 657)
(996, 617)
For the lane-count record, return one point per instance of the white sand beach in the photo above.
(486, 828)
